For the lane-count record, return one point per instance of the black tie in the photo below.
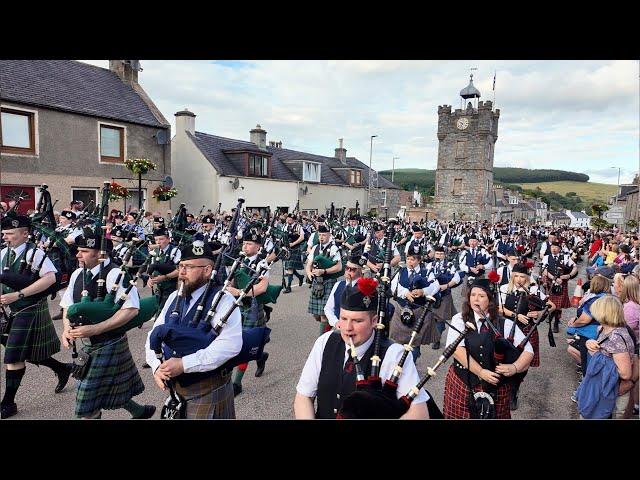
(88, 276)
(412, 273)
(484, 328)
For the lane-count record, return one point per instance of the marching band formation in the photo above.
(378, 288)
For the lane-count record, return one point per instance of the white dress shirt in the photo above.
(47, 265)
(308, 383)
(226, 346)
(458, 323)
(401, 292)
(133, 300)
(328, 308)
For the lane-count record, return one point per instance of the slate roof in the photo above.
(72, 86)
(579, 215)
(213, 148)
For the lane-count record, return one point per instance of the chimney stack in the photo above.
(259, 137)
(185, 122)
(127, 70)
(341, 153)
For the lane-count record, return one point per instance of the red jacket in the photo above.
(595, 246)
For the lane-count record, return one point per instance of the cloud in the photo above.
(575, 115)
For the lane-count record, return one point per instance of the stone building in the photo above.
(71, 125)
(464, 174)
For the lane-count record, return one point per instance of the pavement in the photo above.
(545, 393)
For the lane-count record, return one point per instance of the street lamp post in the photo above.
(393, 167)
(370, 157)
(618, 189)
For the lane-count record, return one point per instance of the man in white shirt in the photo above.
(30, 336)
(198, 377)
(330, 373)
(352, 272)
(111, 378)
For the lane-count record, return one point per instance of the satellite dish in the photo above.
(161, 137)
(168, 181)
(235, 184)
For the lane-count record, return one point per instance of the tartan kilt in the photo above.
(316, 305)
(249, 320)
(295, 262)
(205, 402)
(112, 378)
(32, 335)
(535, 344)
(456, 396)
(401, 333)
(562, 300)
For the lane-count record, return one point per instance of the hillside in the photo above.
(424, 180)
(587, 191)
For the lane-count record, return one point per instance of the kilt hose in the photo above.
(535, 344)
(562, 300)
(32, 335)
(209, 399)
(316, 305)
(456, 397)
(112, 378)
(295, 261)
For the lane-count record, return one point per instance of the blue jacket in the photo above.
(598, 391)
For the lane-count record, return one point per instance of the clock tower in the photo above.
(464, 175)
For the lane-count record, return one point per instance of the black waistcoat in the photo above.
(92, 286)
(333, 386)
(481, 348)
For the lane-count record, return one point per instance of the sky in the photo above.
(581, 116)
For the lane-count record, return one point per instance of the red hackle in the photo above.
(493, 276)
(367, 286)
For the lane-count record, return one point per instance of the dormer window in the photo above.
(311, 172)
(355, 177)
(258, 166)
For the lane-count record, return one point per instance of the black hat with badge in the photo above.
(485, 284)
(416, 249)
(160, 232)
(119, 215)
(362, 297)
(416, 228)
(18, 221)
(158, 219)
(207, 220)
(323, 229)
(92, 241)
(250, 236)
(198, 249)
(520, 268)
(68, 214)
(134, 215)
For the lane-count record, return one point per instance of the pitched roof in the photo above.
(579, 215)
(213, 148)
(76, 87)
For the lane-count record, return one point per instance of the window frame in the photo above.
(459, 181)
(33, 129)
(355, 177)
(145, 199)
(265, 164)
(318, 171)
(383, 198)
(123, 144)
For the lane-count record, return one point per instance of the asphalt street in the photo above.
(545, 393)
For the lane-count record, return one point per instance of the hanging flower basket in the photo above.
(164, 193)
(117, 191)
(139, 165)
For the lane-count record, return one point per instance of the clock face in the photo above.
(462, 123)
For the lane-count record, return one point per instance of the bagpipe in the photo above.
(324, 262)
(178, 339)
(44, 210)
(28, 274)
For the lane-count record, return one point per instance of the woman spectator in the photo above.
(585, 326)
(630, 296)
(615, 342)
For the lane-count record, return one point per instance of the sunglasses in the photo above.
(351, 269)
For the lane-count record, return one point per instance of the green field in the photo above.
(588, 191)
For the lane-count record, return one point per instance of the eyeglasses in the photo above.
(351, 269)
(190, 267)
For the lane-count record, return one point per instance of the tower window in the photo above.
(460, 149)
(457, 186)
(489, 151)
